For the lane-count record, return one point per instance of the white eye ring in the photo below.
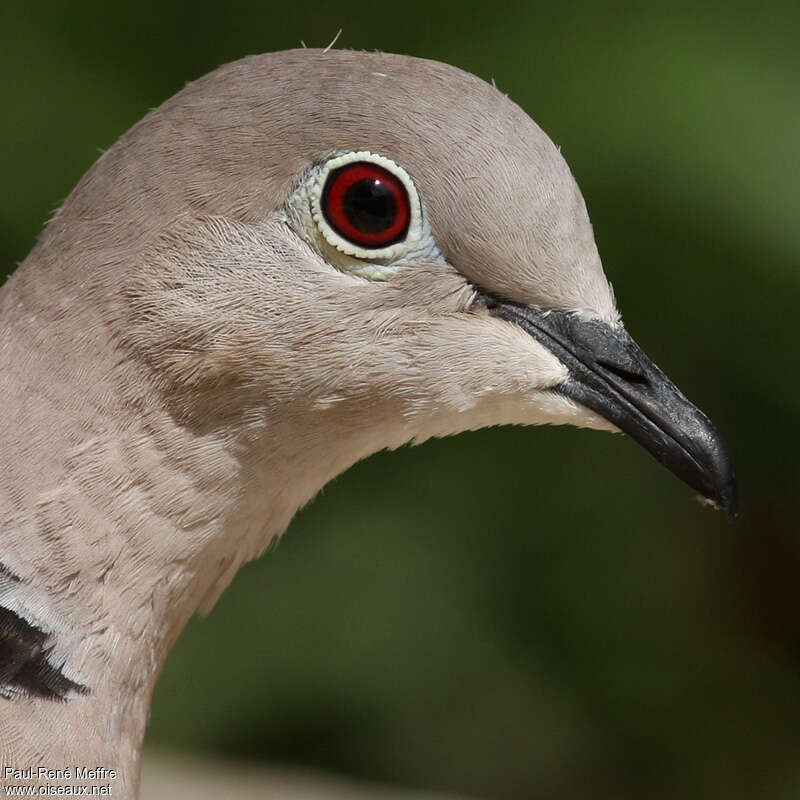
(335, 239)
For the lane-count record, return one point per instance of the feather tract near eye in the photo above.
(366, 204)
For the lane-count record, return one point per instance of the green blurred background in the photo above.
(514, 613)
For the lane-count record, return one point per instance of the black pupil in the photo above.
(370, 205)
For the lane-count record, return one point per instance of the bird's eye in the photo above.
(366, 204)
(367, 207)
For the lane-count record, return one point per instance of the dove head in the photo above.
(370, 249)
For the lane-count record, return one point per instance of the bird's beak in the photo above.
(610, 374)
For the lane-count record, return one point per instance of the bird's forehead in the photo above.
(501, 200)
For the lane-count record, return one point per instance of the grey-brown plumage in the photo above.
(186, 358)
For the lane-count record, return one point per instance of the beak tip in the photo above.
(724, 489)
(730, 498)
(725, 499)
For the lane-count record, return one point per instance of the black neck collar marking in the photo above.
(25, 666)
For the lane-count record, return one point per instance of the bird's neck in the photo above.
(140, 531)
(117, 538)
(118, 524)
(122, 514)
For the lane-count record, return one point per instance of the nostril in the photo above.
(621, 372)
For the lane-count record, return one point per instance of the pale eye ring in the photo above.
(367, 206)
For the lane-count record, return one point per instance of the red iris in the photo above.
(366, 204)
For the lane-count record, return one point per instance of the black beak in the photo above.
(610, 374)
